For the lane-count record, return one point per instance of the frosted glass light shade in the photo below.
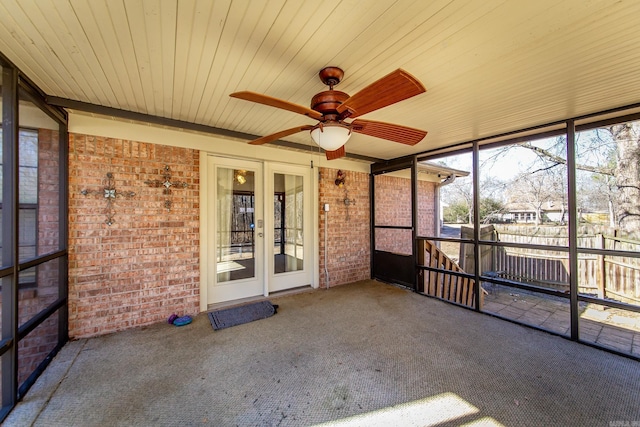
(330, 137)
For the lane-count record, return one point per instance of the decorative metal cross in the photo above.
(110, 193)
(167, 184)
(347, 202)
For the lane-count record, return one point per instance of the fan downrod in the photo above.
(331, 76)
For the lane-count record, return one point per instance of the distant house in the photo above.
(527, 213)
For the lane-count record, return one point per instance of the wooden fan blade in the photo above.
(390, 131)
(392, 88)
(278, 103)
(278, 135)
(336, 154)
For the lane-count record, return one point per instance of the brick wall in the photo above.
(426, 208)
(393, 207)
(145, 265)
(348, 228)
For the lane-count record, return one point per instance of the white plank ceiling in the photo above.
(490, 66)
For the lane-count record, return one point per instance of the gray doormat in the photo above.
(228, 317)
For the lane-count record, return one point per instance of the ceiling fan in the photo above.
(333, 108)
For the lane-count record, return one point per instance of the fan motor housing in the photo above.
(326, 102)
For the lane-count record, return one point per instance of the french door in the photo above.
(237, 229)
(260, 228)
(289, 240)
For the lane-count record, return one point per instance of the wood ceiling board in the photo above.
(117, 34)
(198, 30)
(488, 66)
(154, 46)
(72, 67)
(299, 81)
(316, 84)
(31, 48)
(260, 21)
(106, 52)
(258, 55)
(229, 51)
(143, 49)
(168, 20)
(280, 46)
(14, 50)
(68, 27)
(416, 44)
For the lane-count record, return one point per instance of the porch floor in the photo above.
(361, 354)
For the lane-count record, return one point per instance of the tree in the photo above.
(459, 196)
(627, 175)
(455, 212)
(536, 191)
(490, 209)
(612, 154)
(460, 210)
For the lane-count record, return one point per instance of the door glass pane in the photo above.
(235, 214)
(288, 223)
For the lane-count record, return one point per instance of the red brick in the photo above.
(134, 253)
(346, 236)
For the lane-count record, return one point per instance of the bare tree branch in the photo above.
(546, 169)
(559, 160)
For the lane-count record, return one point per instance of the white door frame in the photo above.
(207, 250)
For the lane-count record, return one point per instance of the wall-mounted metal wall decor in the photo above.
(109, 192)
(347, 202)
(166, 183)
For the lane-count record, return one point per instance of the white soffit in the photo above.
(489, 66)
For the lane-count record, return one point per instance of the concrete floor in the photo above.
(356, 355)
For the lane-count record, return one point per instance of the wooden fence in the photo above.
(603, 275)
(488, 258)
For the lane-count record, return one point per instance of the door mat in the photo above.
(228, 317)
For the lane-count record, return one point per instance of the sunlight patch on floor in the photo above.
(430, 411)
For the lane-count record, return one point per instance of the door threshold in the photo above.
(291, 291)
(243, 301)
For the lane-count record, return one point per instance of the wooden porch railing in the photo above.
(443, 285)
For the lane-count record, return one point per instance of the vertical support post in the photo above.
(414, 220)
(601, 273)
(372, 222)
(573, 228)
(10, 131)
(421, 259)
(476, 225)
(494, 249)
(63, 209)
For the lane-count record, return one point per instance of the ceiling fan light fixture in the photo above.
(330, 136)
